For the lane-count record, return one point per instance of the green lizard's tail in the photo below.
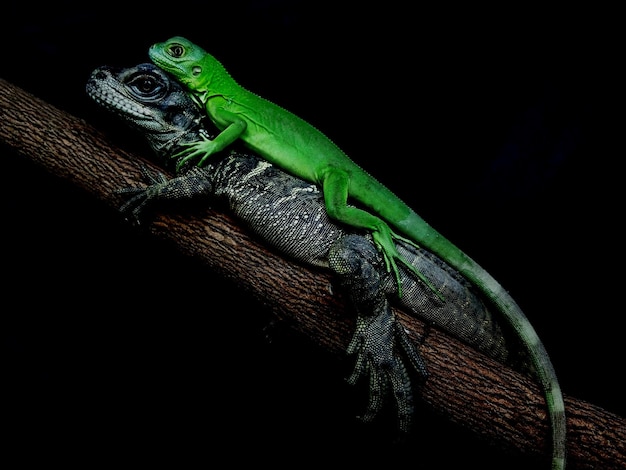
(417, 229)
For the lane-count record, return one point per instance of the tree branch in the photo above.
(484, 396)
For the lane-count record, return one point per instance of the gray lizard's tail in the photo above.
(431, 240)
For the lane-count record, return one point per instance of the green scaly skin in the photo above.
(297, 147)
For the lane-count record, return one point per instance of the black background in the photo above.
(496, 125)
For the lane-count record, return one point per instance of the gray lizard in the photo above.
(289, 215)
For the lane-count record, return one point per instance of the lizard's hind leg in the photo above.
(384, 240)
(380, 343)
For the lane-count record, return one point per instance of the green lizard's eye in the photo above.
(196, 70)
(176, 50)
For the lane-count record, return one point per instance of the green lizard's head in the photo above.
(183, 59)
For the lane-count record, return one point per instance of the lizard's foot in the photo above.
(138, 198)
(203, 148)
(381, 345)
(189, 152)
(186, 187)
(377, 343)
(383, 239)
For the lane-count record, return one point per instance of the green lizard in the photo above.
(297, 147)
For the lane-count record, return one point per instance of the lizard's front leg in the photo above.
(232, 127)
(189, 186)
(204, 147)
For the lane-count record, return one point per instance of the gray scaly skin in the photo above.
(289, 215)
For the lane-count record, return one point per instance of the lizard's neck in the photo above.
(215, 79)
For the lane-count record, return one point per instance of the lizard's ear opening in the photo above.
(197, 70)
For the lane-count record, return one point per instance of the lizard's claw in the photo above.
(382, 347)
(138, 198)
(189, 152)
(383, 239)
(203, 148)
(377, 342)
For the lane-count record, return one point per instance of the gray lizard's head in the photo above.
(150, 100)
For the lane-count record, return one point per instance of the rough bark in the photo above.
(503, 406)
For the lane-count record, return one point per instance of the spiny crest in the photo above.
(211, 73)
(214, 69)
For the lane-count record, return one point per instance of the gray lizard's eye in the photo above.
(197, 70)
(176, 50)
(147, 86)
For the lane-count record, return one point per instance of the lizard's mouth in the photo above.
(159, 60)
(170, 66)
(154, 56)
(113, 100)
(127, 94)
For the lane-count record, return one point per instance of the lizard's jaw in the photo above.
(169, 66)
(112, 99)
